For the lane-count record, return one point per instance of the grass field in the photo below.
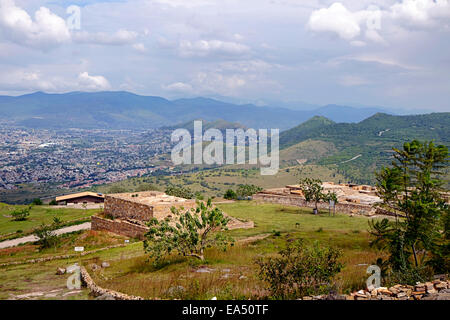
(39, 280)
(232, 274)
(38, 215)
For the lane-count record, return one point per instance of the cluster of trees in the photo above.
(418, 240)
(242, 192)
(180, 192)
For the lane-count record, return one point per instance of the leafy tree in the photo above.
(230, 195)
(47, 237)
(412, 190)
(300, 270)
(37, 202)
(189, 233)
(180, 192)
(312, 190)
(21, 214)
(53, 203)
(331, 196)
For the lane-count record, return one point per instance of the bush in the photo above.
(47, 238)
(230, 195)
(179, 192)
(37, 202)
(21, 214)
(53, 203)
(300, 270)
(247, 190)
(189, 233)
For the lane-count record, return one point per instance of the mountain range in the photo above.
(124, 110)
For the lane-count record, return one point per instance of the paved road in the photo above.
(16, 242)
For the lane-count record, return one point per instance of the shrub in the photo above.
(21, 214)
(179, 192)
(37, 202)
(53, 203)
(247, 190)
(230, 195)
(189, 233)
(47, 238)
(300, 270)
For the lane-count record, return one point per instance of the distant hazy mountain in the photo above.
(124, 110)
(221, 125)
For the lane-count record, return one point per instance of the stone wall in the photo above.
(292, 200)
(125, 209)
(99, 291)
(118, 226)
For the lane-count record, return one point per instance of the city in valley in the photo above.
(77, 158)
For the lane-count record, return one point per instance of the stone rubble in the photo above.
(435, 290)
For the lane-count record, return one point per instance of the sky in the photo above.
(355, 52)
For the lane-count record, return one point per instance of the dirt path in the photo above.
(16, 242)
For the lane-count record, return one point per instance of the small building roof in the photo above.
(79, 195)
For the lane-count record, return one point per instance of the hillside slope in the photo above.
(358, 149)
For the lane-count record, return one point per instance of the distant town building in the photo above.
(81, 198)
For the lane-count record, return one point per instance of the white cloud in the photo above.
(338, 19)
(389, 62)
(140, 47)
(25, 80)
(370, 22)
(203, 48)
(121, 37)
(421, 12)
(179, 87)
(45, 31)
(92, 83)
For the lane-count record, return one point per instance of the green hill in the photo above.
(358, 149)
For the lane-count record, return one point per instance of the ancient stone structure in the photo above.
(118, 226)
(128, 213)
(352, 199)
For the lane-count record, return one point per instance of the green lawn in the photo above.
(38, 215)
(137, 275)
(233, 274)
